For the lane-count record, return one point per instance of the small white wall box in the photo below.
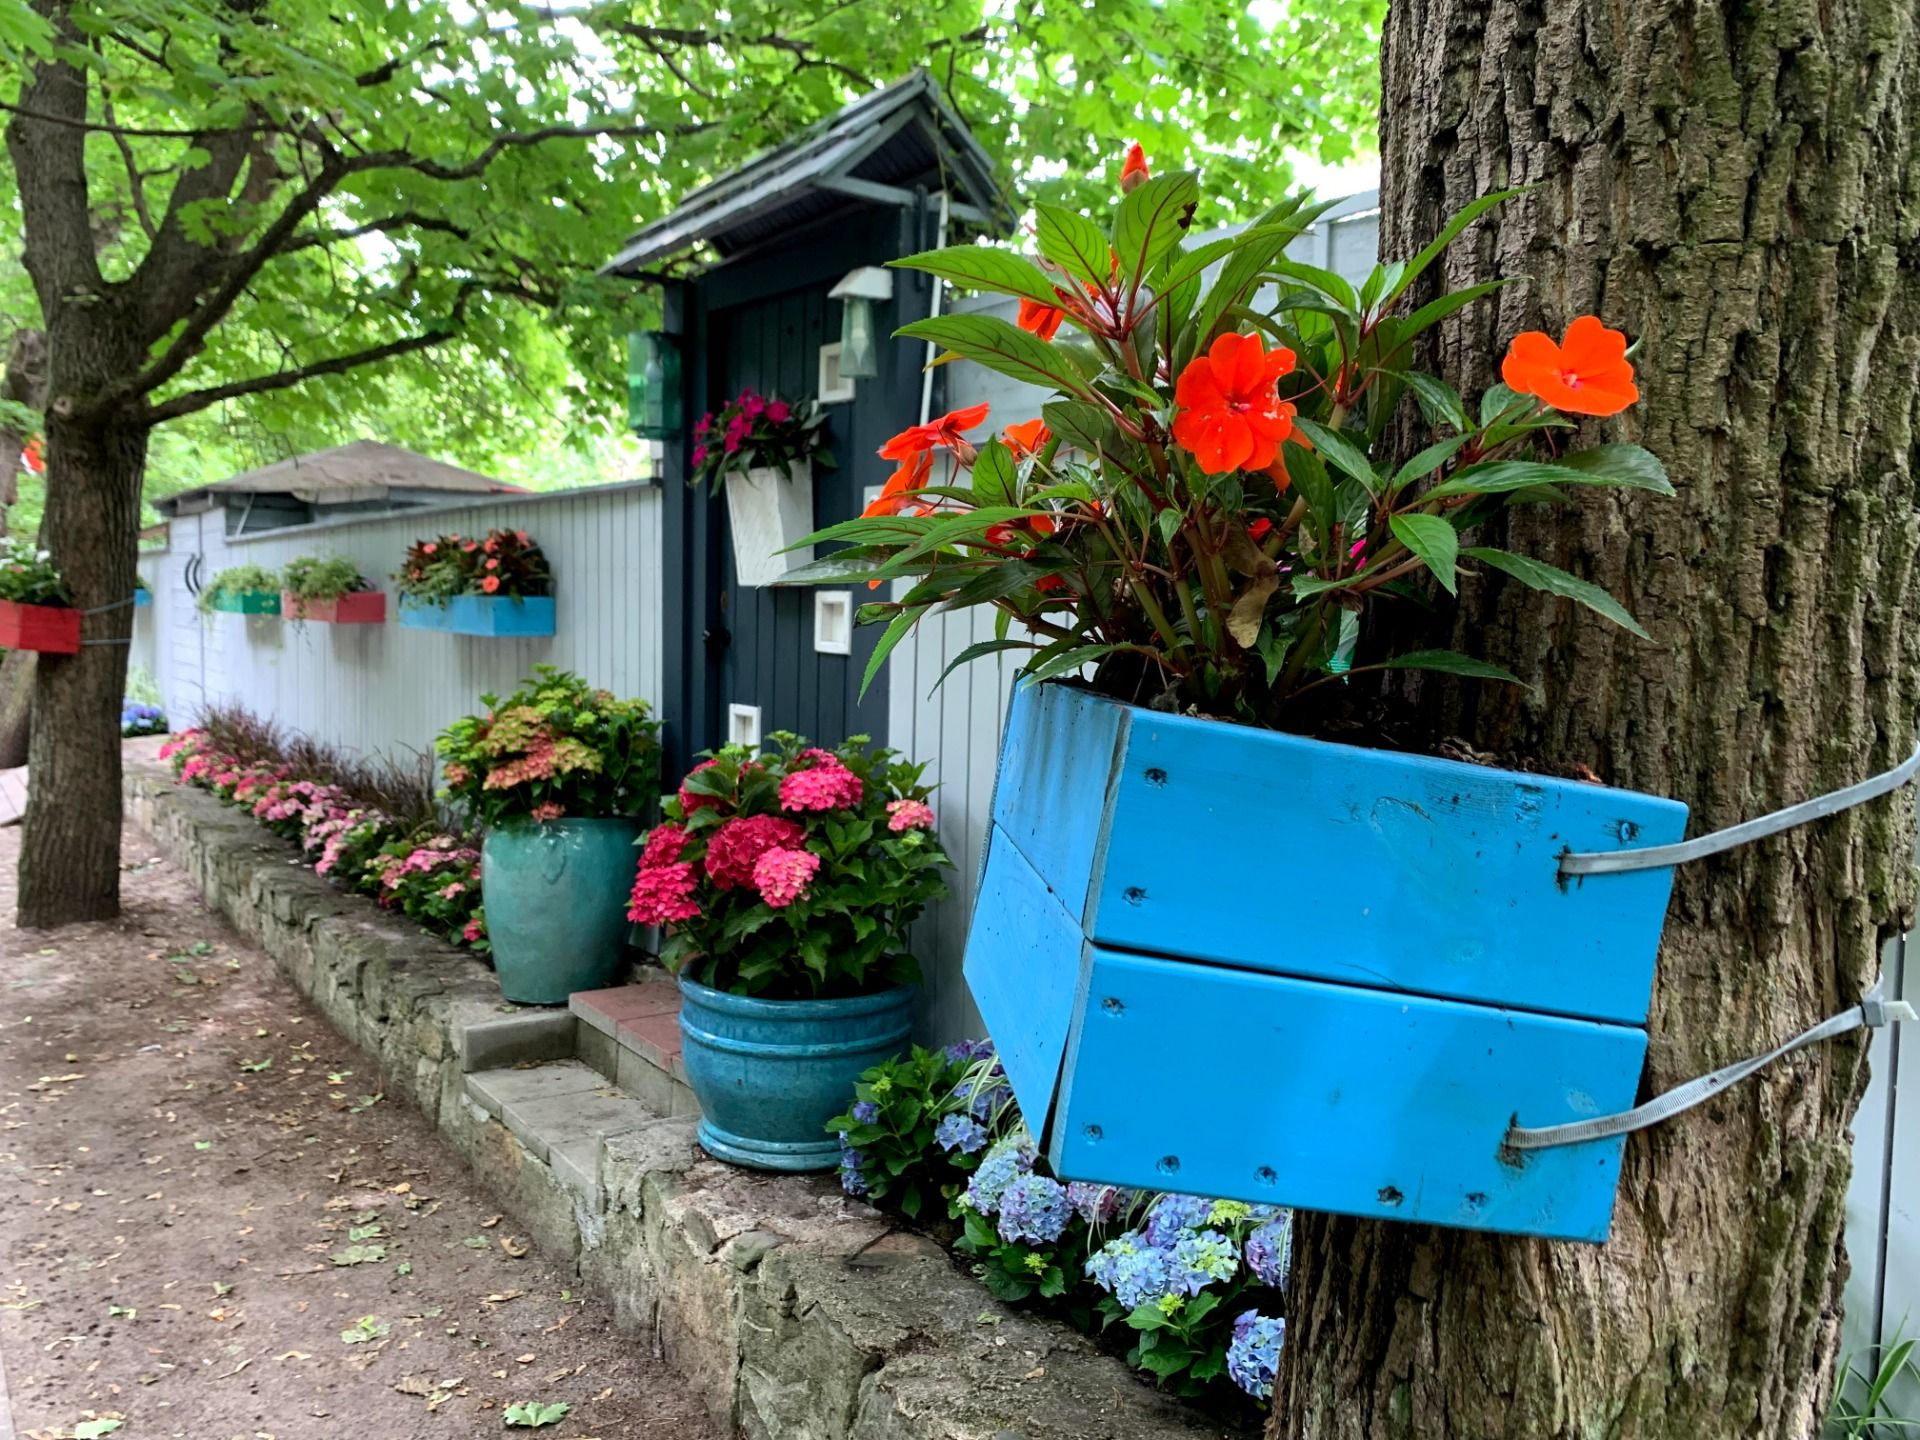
(743, 725)
(833, 622)
(833, 387)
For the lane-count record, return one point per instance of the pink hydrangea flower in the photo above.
(453, 890)
(663, 847)
(664, 894)
(552, 810)
(473, 931)
(827, 785)
(782, 876)
(736, 847)
(689, 802)
(909, 815)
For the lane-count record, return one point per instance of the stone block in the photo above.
(504, 1040)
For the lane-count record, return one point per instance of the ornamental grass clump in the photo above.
(754, 431)
(793, 873)
(555, 748)
(1193, 1286)
(1237, 465)
(503, 562)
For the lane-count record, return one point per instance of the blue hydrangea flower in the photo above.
(1270, 1251)
(1098, 1204)
(866, 1112)
(1173, 1213)
(989, 1098)
(1254, 1356)
(1131, 1270)
(960, 1132)
(965, 1052)
(1034, 1209)
(853, 1175)
(1006, 1162)
(1199, 1258)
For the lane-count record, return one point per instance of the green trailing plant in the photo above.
(315, 577)
(556, 747)
(28, 576)
(237, 580)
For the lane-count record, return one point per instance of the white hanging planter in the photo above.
(770, 509)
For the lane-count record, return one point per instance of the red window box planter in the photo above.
(50, 629)
(360, 607)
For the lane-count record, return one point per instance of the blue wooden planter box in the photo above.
(142, 597)
(496, 615)
(1239, 963)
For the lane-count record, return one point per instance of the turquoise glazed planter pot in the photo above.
(769, 1074)
(556, 905)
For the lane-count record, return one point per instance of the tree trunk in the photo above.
(16, 706)
(70, 850)
(1738, 186)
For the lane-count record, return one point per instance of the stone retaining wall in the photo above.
(801, 1314)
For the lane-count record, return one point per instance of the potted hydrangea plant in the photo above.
(558, 775)
(786, 882)
(331, 590)
(763, 449)
(36, 611)
(1208, 547)
(498, 585)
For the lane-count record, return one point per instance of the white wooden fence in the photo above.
(386, 689)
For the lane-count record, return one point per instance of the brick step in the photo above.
(631, 1034)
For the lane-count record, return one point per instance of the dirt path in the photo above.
(214, 1227)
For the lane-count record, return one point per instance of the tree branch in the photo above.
(194, 400)
(46, 141)
(408, 220)
(805, 56)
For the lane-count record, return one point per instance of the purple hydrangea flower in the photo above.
(1034, 1209)
(1006, 1162)
(960, 1132)
(1098, 1204)
(1131, 1270)
(1199, 1258)
(1173, 1213)
(865, 1112)
(1254, 1356)
(965, 1052)
(853, 1176)
(1270, 1251)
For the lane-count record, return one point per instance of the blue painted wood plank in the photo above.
(1330, 1097)
(1294, 856)
(1050, 796)
(1023, 964)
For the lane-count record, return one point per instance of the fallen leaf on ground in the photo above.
(367, 1327)
(491, 1221)
(532, 1413)
(514, 1246)
(358, 1254)
(500, 1297)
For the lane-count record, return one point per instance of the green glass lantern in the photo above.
(859, 292)
(654, 408)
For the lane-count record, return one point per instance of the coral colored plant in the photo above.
(793, 873)
(1237, 462)
(554, 748)
(502, 562)
(754, 431)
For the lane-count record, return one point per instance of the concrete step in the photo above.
(561, 1111)
(631, 1034)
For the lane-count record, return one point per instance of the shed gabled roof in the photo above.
(360, 471)
(880, 148)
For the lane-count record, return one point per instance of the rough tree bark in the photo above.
(1739, 186)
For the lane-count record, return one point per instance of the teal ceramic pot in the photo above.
(769, 1074)
(556, 898)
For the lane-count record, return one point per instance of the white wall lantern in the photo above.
(857, 293)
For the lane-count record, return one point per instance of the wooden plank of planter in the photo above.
(49, 629)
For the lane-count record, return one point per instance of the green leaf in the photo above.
(1496, 477)
(1466, 216)
(1151, 220)
(896, 632)
(94, 1429)
(1435, 311)
(1434, 540)
(1075, 244)
(984, 267)
(532, 1414)
(1334, 287)
(1428, 460)
(1617, 464)
(1082, 424)
(1449, 662)
(1541, 576)
(996, 475)
(1002, 346)
(1439, 402)
(1341, 453)
(359, 1255)
(1069, 660)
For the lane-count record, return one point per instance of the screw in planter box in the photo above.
(763, 451)
(787, 880)
(498, 585)
(330, 590)
(36, 608)
(560, 776)
(1182, 544)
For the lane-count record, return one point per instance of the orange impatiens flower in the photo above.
(918, 439)
(1587, 373)
(1042, 320)
(898, 492)
(1029, 437)
(1134, 172)
(1231, 414)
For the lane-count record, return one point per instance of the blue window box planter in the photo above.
(495, 615)
(142, 597)
(246, 602)
(1239, 963)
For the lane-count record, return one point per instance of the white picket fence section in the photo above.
(385, 689)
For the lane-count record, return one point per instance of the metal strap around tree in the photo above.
(1654, 857)
(1874, 1010)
